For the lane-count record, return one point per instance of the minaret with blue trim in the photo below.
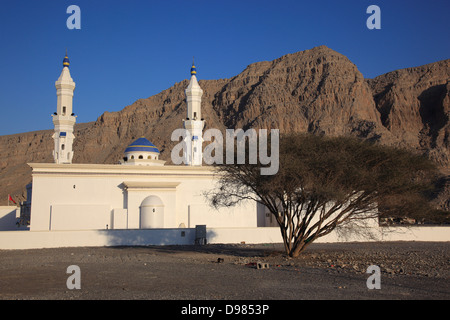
(194, 123)
(64, 118)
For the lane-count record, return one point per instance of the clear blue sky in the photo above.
(127, 50)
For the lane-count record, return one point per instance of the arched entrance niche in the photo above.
(152, 213)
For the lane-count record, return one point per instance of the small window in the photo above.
(64, 111)
(63, 147)
(149, 157)
(141, 157)
(132, 157)
(195, 115)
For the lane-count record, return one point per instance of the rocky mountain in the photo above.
(317, 90)
(414, 105)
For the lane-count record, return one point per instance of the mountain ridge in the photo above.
(317, 90)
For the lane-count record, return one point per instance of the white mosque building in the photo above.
(139, 193)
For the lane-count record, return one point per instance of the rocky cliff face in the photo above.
(414, 105)
(317, 90)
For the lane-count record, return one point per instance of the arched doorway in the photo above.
(152, 213)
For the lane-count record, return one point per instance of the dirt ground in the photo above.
(409, 271)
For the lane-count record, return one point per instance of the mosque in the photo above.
(140, 192)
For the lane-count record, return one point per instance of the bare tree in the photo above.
(326, 182)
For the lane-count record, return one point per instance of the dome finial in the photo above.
(193, 69)
(66, 61)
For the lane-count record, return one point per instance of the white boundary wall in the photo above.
(94, 238)
(186, 236)
(273, 235)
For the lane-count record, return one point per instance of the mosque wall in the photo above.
(97, 197)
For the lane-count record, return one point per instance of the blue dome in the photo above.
(142, 144)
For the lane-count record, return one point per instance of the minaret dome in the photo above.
(66, 62)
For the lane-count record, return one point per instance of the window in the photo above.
(195, 115)
(141, 157)
(62, 147)
(64, 111)
(132, 157)
(149, 157)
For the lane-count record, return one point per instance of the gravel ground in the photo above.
(409, 271)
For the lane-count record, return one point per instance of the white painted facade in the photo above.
(64, 118)
(194, 122)
(98, 197)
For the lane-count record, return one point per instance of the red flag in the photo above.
(11, 199)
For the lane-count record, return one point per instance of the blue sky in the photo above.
(128, 50)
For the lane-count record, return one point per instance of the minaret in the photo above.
(63, 118)
(194, 122)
